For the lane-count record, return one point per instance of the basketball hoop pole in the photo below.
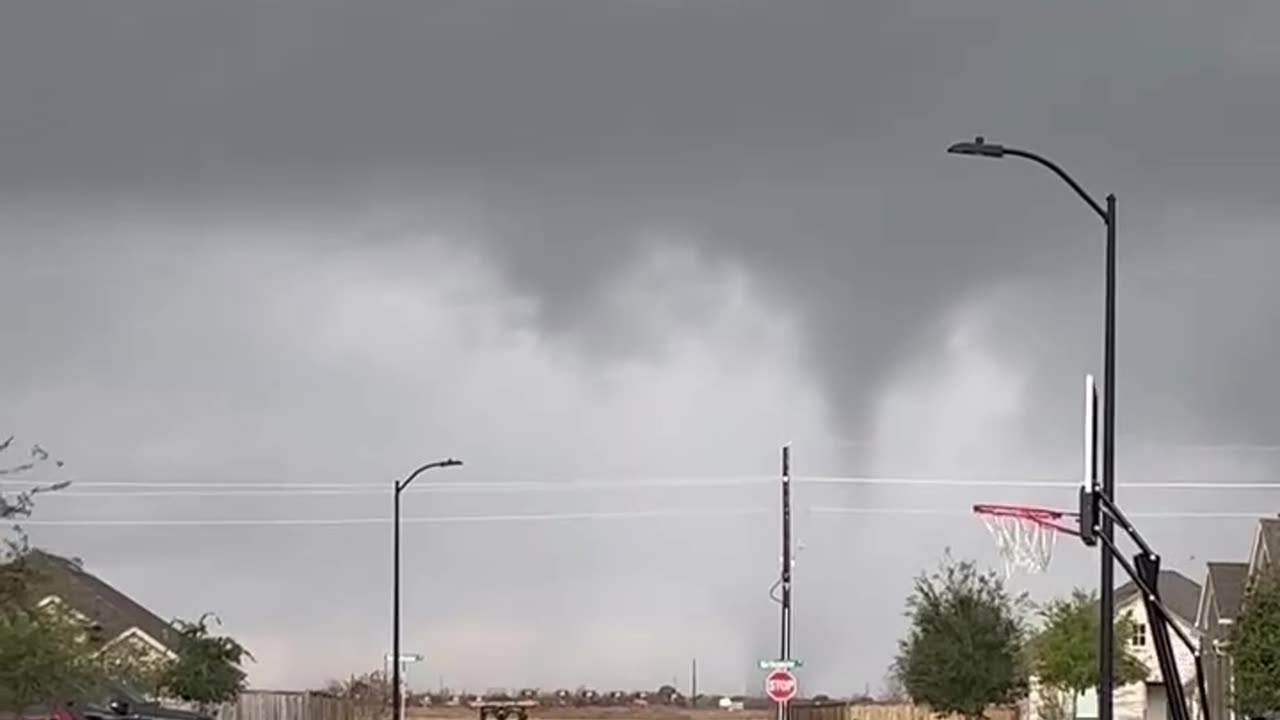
(1096, 507)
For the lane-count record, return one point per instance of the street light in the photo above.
(397, 711)
(979, 147)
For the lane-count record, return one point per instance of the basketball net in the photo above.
(1024, 544)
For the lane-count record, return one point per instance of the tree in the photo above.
(1064, 653)
(17, 578)
(372, 689)
(208, 669)
(46, 657)
(964, 650)
(891, 690)
(370, 693)
(45, 660)
(1255, 649)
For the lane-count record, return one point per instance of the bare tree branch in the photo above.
(19, 504)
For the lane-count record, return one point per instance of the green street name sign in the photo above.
(783, 664)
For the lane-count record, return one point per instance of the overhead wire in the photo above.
(428, 520)
(153, 489)
(1135, 442)
(572, 516)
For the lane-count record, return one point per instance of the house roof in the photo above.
(1180, 594)
(1228, 580)
(89, 595)
(1270, 529)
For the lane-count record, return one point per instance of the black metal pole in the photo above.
(785, 651)
(1106, 576)
(395, 606)
(399, 487)
(979, 147)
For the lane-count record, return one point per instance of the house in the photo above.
(116, 622)
(1142, 700)
(1220, 602)
(1264, 557)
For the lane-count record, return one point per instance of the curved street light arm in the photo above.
(401, 485)
(979, 147)
(1057, 170)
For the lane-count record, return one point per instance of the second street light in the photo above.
(396, 702)
(979, 147)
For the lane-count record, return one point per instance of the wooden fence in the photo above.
(272, 705)
(881, 711)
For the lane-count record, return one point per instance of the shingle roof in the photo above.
(88, 594)
(1180, 594)
(1229, 580)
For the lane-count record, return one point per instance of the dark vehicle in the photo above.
(115, 703)
(121, 703)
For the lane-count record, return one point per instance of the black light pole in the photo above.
(1106, 629)
(395, 581)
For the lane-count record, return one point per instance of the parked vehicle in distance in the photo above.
(113, 703)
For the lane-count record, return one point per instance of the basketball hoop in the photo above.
(1024, 534)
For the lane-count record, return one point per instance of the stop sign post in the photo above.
(780, 685)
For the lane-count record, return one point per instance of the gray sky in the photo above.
(322, 242)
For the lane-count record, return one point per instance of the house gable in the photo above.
(1223, 594)
(1179, 593)
(1229, 582)
(139, 638)
(134, 637)
(54, 602)
(1266, 545)
(1207, 602)
(96, 602)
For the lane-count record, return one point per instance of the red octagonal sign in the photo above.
(780, 685)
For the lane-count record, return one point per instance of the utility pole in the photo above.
(785, 650)
(693, 682)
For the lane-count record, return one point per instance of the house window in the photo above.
(1139, 638)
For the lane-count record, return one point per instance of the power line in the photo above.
(437, 520)
(350, 488)
(1130, 443)
(571, 516)
(1034, 483)
(133, 489)
(1153, 514)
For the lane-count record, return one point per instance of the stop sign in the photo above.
(780, 685)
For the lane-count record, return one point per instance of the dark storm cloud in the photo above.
(806, 139)
(802, 142)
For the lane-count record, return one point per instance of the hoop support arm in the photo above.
(1144, 571)
(1108, 506)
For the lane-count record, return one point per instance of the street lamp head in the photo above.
(978, 148)
(451, 462)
